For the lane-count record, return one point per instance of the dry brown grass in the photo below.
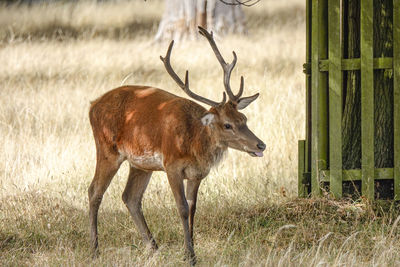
(56, 58)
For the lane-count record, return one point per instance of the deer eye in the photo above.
(227, 126)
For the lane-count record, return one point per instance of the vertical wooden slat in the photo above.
(307, 152)
(315, 188)
(367, 100)
(323, 88)
(308, 89)
(301, 188)
(319, 94)
(335, 99)
(396, 97)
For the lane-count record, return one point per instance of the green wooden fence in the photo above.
(320, 155)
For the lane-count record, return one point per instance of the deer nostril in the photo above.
(261, 146)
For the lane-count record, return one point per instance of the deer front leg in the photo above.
(192, 187)
(176, 182)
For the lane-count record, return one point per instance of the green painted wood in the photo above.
(308, 89)
(335, 99)
(319, 91)
(315, 188)
(317, 138)
(322, 97)
(324, 65)
(301, 188)
(351, 64)
(356, 175)
(355, 64)
(307, 159)
(367, 100)
(396, 96)
(383, 63)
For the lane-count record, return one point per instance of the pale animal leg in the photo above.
(176, 183)
(132, 197)
(192, 187)
(106, 167)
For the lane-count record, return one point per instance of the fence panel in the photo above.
(325, 101)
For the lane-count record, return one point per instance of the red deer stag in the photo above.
(158, 131)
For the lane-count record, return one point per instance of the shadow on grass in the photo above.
(303, 223)
(136, 28)
(32, 222)
(35, 223)
(60, 31)
(141, 72)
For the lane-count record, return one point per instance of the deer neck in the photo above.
(208, 149)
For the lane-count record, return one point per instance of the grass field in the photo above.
(56, 58)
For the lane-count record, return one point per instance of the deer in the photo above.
(155, 130)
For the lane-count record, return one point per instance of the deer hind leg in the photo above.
(132, 197)
(176, 182)
(106, 166)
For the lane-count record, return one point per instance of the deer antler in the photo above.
(185, 86)
(225, 66)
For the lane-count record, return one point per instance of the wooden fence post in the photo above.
(335, 99)
(367, 100)
(396, 97)
(319, 145)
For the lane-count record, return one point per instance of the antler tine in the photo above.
(241, 88)
(226, 67)
(185, 86)
(167, 65)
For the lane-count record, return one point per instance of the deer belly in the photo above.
(153, 162)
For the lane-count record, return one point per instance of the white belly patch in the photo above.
(147, 161)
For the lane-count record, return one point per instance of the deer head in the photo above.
(224, 118)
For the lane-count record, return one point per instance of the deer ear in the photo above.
(207, 119)
(245, 101)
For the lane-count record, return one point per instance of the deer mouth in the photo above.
(256, 154)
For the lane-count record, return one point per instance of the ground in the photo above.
(57, 58)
